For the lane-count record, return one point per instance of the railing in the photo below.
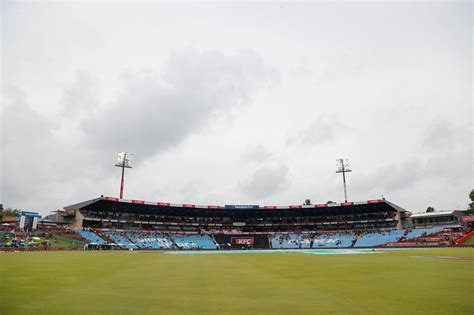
(464, 238)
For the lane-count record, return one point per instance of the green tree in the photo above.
(430, 209)
(470, 210)
(10, 212)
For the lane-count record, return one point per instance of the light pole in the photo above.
(343, 167)
(123, 161)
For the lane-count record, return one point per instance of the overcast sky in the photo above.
(237, 103)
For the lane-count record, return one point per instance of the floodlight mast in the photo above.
(123, 161)
(343, 167)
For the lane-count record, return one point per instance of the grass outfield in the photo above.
(393, 282)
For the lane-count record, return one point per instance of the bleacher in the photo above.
(334, 240)
(194, 241)
(415, 233)
(378, 238)
(150, 240)
(121, 240)
(157, 240)
(288, 240)
(92, 237)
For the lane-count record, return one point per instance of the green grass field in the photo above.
(393, 282)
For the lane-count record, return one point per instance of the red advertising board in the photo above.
(242, 240)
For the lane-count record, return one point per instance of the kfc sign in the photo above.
(242, 240)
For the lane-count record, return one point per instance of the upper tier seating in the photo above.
(92, 237)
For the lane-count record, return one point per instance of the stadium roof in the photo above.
(436, 214)
(140, 206)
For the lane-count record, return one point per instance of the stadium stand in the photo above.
(291, 241)
(415, 233)
(149, 240)
(137, 224)
(371, 239)
(121, 240)
(92, 237)
(346, 239)
(194, 242)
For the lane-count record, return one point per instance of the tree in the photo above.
(430, 209)
(307, 202)
(470, 210)
(10, 212)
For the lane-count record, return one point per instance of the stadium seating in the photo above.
(157, 240)
(92, 237)
(288, 240)
(334, 240)
(379, 238)
(194, 241)
(121, 240)
(150, 240)
(419, 232)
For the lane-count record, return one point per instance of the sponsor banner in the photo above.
(35, 223)
(242, 207)
(30, 214)
(269, 207)
(350, 203)
(375, 201)
(242, 240)
(22, 221)
(295, 206)
(321, 205)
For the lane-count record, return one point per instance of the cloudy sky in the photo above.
(246, 103)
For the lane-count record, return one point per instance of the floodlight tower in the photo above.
(123, 161)
(343, 167)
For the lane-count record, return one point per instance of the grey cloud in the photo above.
(440, 134)
(320, 130)
(42, 153)
(80, 96)
(159, 110)
(449, 152)
(26, 146)
(388, 178)
(257, 154)
(41, 160)
(266, 181)
(445, 156)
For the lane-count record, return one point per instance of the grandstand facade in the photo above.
(114, 213)
(138, 224)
